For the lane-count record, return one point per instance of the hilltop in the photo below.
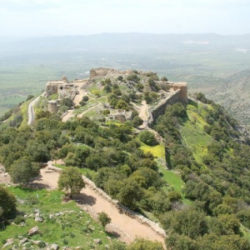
(177, 165)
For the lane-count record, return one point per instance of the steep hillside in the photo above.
(180, 162)
(235, 95)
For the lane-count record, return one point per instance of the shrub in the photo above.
(67, 102)
(137, 121)
(104, 219)
(121, 104)
(8, 204)
(133, 78)
(148, 138)
(164, 78)
(244, 217)
(22, 171)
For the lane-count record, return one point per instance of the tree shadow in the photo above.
(38, 186)
(84, 199)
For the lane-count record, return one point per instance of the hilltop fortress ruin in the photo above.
(168, 93)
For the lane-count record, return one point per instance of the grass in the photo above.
(157, 151)
(171, 177)
(193, 134)
(72, 229)
(24, 111)
(245, 231)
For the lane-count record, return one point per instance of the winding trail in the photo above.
(31, 112)
(125, 226)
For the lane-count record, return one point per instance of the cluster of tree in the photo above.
(219, 188)
(191, 229)
(116, 99)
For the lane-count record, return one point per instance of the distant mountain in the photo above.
(234, 94)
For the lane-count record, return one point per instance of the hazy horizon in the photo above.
(46, 18)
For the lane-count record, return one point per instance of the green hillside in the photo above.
(189, 170)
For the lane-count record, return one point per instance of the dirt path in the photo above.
(91, 201)
(144, 114)
(82, 92)
(31, 112)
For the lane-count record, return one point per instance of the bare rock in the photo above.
(33, 231)
(38, 219)
(24, 240)
(54, 247)
(97, 241)
(8, 243)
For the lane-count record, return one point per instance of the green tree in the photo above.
(188, 222)
(130, 194)
(148, 138)
(71, 181)
(104, 219)
(181, 242)
(23, 171)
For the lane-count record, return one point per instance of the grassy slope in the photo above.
(171, 177)
(73, 229)
(192, 131)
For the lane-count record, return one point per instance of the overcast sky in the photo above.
(23, 18)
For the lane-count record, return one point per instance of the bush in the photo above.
(244, 217)
(164, 78)
(133, 78)
(22, 171)
(104, 219)
(148, 138)
(7, 204)
(121, 104)
(137, 121)
(67, 102)
(85, 98)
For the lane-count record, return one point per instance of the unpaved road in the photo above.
(31, 112)
(144, 114)
(126, 227)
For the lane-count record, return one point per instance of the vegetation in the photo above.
(7, 206)
(195, 183)
(63, 223)
(71, 181)
(104, 219)
(145, 245)
(22, 171)
(201, 145)
(148, 138)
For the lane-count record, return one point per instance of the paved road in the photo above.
(31, 112)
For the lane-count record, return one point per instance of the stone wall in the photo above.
(178, 95)
(140, 218)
